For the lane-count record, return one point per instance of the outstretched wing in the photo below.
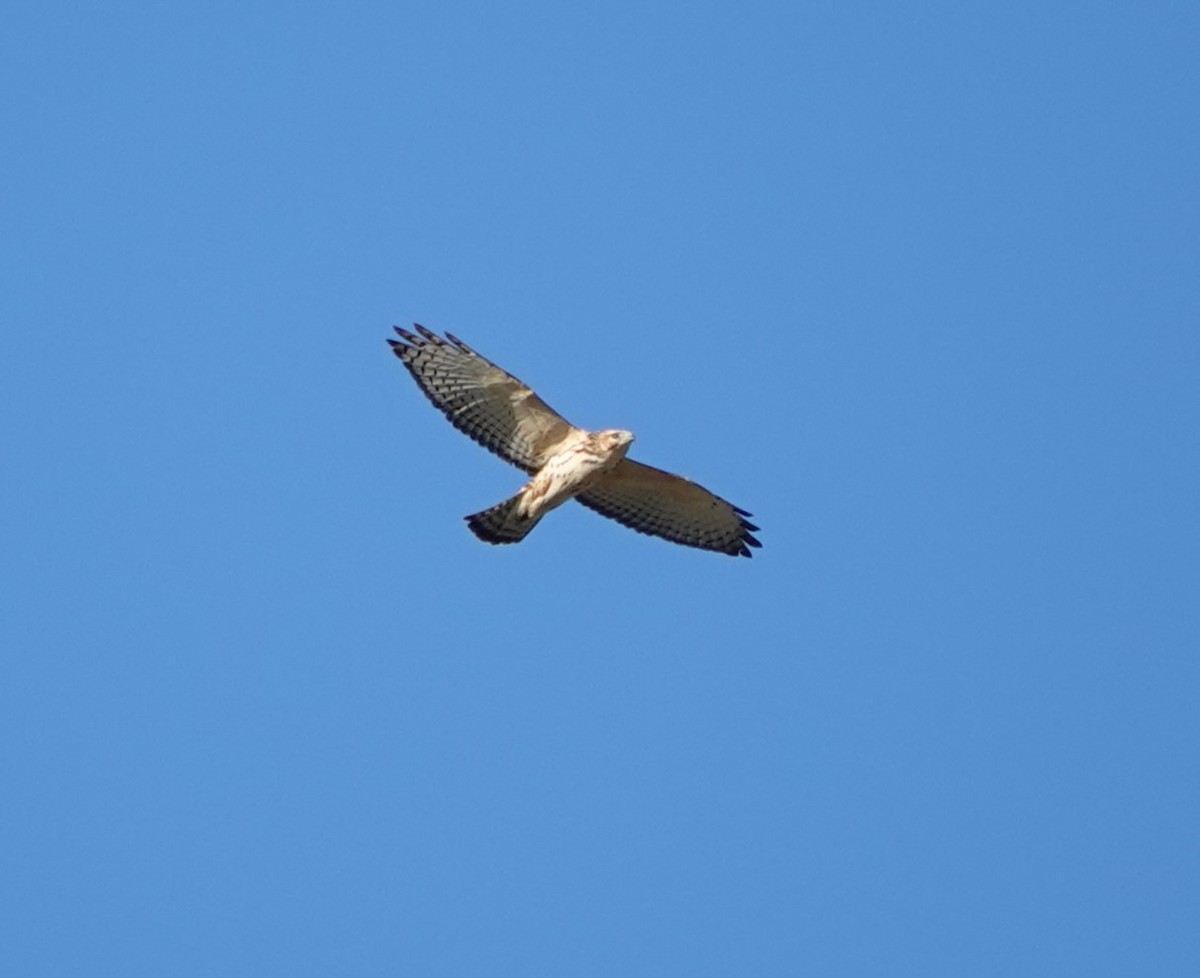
(480, 399)
(669, 506)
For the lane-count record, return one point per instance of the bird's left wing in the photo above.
(480, 399)
(651, 501)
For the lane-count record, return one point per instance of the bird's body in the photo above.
(564, 462)
(572, 469)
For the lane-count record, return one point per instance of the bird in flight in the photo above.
(506, 417)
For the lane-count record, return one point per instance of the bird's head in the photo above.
(616, 440)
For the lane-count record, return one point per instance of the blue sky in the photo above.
(916, 285)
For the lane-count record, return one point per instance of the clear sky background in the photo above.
(915, 284)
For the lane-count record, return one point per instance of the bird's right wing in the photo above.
(482, 400)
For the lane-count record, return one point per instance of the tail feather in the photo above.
(502, 523)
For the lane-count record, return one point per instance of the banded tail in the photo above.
(502, 523)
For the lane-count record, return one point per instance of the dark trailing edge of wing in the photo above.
(427, 335)
(745, 539)
(747, 529)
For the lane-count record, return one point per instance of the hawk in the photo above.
(508, 418)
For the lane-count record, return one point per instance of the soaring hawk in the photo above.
(565, 462)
